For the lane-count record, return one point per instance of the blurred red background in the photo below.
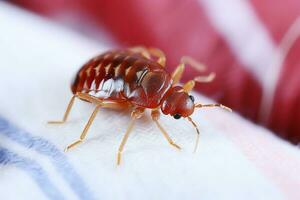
(217, 35)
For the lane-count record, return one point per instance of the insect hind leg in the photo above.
(86, 128)
(150, 52)
(67, 112)
(79, 95)
(160, 54)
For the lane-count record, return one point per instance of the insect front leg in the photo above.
(155, 116)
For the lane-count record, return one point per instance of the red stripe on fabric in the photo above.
(278, 17)
(285, 113)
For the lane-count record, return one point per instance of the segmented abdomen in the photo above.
(113, 75)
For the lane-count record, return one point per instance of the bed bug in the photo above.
(136, 78)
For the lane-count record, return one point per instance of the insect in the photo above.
(136, 78)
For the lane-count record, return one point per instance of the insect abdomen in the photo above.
(116, 76)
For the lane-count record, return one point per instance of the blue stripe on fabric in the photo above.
(34, 170)
(46, 148)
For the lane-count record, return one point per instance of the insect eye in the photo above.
(192, 98)
(176, 116)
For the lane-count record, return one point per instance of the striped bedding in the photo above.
(236, 159)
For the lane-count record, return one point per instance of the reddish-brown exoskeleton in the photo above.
(136, 78)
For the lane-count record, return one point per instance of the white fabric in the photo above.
(38, 61)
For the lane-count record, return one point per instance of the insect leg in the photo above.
(89, 98)
(137, 113)
(198, 133)
(177, 74)
(151, 52)
(83, 96)
(66, 112)
(199, 105)
(185, 60)
(193, 63)
(86, 128)
(160, 54)
(142, 50)
(155, 116)
(188, 86)
(116, 105)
